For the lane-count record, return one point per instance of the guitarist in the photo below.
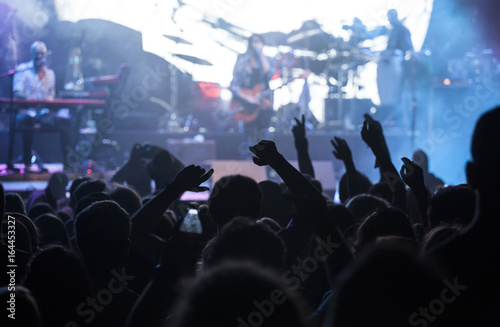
(252, 101)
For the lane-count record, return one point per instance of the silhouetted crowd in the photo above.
(405, 251)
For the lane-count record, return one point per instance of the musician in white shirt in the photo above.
(34, 80)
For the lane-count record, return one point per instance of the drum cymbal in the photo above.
(177, 39)
(194, 60)
(310, 36)
(303, 35)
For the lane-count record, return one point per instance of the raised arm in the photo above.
(343, 152)
(179, 257)
(413, 176)
(312, 217)
(266, 154)
(373, 136)
(301, 145)
(189, 179)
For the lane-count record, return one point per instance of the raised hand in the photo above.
(265, 153)
(372, 133)
(299, 130)
(411, 173)
(136, 152)
(342, 150)
(299, 133)
(190, 178)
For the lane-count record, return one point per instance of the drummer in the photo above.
(399, 37)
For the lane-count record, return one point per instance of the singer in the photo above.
(252, 101)
(34, 80)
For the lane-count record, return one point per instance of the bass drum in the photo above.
(390, 78)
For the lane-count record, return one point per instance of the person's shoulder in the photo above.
(243, 57)
(24, 66)
(51, 72)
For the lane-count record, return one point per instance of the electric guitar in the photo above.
(246, 111)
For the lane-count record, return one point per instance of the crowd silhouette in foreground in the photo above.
(405, 251)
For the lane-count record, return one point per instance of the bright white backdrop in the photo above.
(155, 18)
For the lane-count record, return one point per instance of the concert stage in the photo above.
(332, 63)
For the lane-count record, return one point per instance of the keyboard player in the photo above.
(34, 80)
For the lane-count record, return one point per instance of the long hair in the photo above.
(250, 48)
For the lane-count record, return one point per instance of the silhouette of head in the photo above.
(274, 204)
(452, 205)
(73, 187)
(362, 205)
(127, 198)
(384, 287)
(57, 185)
(39, 209)
(238, 295)
(232, 196)
(392, 16)
(163, 168)
(88, 187)
(482, 172)
(14, 203)
(381, 190)
(420, 158)
(52, 231)
(384, 222)
(89, 199)
(245, 240)
(102, 233)
(59, 282)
